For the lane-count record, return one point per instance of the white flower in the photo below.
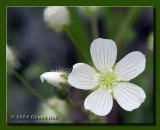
(57, 79)
(109, 79)
(57, 114)
(89, 9)
(56, 17)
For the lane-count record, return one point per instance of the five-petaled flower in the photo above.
(109, 80)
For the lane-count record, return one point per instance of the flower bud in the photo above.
(57, 79)
(56, 17)
(57, 113)
(10, 57)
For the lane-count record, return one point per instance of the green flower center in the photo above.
(107, 79)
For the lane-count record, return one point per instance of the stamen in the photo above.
(108, 79)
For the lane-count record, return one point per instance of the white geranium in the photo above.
(57, 79)
(109, 80)
(56, 17)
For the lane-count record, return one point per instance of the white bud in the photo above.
(59, 111)
(89, 10)
(56, 17)
(57, 79)
(10, 57)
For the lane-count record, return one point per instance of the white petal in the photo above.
(99, 102)
(129, 96)
(83, 77)
(130, 66)
(104, 53)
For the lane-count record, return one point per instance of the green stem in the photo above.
(97, 119)
(125, 24)
(33, 91)
(94, 25)
(77, 45)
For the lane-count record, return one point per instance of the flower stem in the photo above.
(97, 119)
(33, 91)
(94, 25)
(79, 47)
(124, 25)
